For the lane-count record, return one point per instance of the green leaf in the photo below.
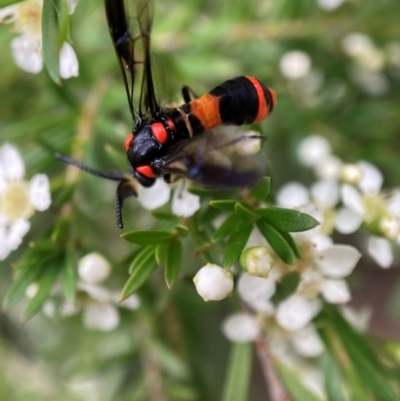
(367, 365)
(225, 228)
(173, 262)
(45, 286)
(261, 190)
(182, 230)
(286, 287)
(225, 205)
(294, 385)
(147, 237)
(236, 243)
(140, 274)
(162, 252)
(69, 277)
(164, 216)
(143, 256)
(50, 39)
(24, 277)
(5, 3)
(289, 239)
(238, 376)
(278, 242)
(207, 217)
(245, 214)
(287, 219)
(332, 378)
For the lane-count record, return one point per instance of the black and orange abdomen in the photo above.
(238, 101)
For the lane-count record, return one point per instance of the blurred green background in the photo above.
(201, 44)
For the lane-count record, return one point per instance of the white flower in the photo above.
(380, 249)
(18, 199)
(100, 316)
(240, 328)
(330, 5)
(213, 283)
(313, 150)
(155, 196)
(184, 203)
(93, 268)
(306, 342)
(27, 48)
(257, 292)
(295, 64)
(291, 195)
(336, 291)
(257, 261)
(296, 312)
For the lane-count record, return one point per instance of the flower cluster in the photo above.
(18, 199)
(96, 302)
(26, 17)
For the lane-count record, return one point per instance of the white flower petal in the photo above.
(12, 167)
(295, 64)
(94, 268)
(352, 199)
(330, 5)
(322, 242)
(213, 283)
(39, 192)
(313, 150)
(325, 193)
(4, 248)
(257, 292)
(292, 194)
(132, 302)
(27, 54)
(184, 203)
(241, 328)
(335, 291)
(313, 211)
(371, 179)
(155, 196)
(307, 343)
(356, 43)
(95, 292)
(103, 317)
(380, 250)
(359, 319)
(69, 65)
(296, 312)
(347, 221)
(338, 261)
(328, 168)
(72, 5)
(16, 233)
(393, 202)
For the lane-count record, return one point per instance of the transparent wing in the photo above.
(129, 22)
(222, 159)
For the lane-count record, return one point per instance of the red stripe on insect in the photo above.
(263, 109)
(159, 132)
(146, 170)
(128, 141)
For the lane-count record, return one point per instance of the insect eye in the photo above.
(146, 170)
(159, 132)
(128, 141)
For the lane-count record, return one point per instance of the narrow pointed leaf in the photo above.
(236, 243)
(69, 277)
(162, 252)
(238, 376)
(261, 190)
(286, 287)
(45, 286)
(245, 214)
(24, 277)
(225, 205)
(332, 378)
(142, 257)
(147, 237)
(226, 228)
(173, 262)
(182, 230)
(277, 241)
(5, 3)
(140, 275)
(287, 219)
(289, 239)
(50, 39)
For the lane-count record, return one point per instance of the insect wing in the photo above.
(130, 23)
(215, 160)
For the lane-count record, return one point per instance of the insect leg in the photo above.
(188, 94)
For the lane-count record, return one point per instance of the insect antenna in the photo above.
(125, 188)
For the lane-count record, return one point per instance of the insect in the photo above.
(179, 141)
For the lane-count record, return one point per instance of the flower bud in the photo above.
(213, 283)
(93, 268)
(257, 261)
(240, 328)
(351, 173)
